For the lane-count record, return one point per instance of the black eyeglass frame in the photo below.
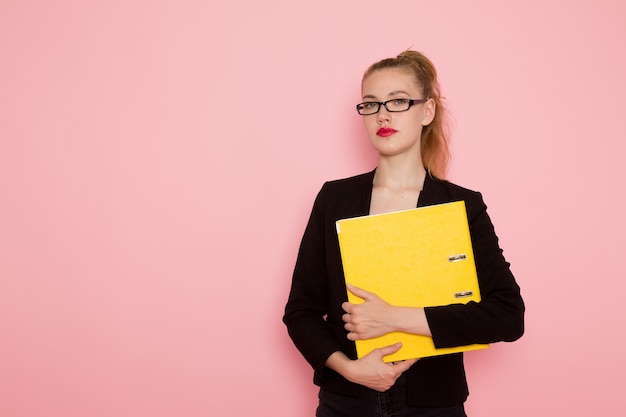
(384, 103)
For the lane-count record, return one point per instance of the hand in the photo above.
(372, 318)
(372, 372)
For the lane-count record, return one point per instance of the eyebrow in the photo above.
(393, 93)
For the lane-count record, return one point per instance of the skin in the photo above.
(397, 184)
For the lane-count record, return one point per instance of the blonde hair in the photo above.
(434, 141)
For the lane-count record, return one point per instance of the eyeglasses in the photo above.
(395, 105)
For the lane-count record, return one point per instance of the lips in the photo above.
(385, 132)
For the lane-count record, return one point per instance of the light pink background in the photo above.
(158, 161)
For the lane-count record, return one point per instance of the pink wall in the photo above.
(158, 161)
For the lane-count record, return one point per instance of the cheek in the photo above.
(370, 123)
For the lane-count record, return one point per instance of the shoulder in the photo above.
(349, 186)
(459, 191)
(346, 197)
(355, 180)
(440, 189)
(443, 191)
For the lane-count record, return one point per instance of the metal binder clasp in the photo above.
(456, 258)
(463, 294)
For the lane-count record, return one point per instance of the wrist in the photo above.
(339, 363)
(412, 320)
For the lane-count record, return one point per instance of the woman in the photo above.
(404, 118)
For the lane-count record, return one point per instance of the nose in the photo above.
(383, 115)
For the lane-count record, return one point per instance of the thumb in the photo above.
(388, 350)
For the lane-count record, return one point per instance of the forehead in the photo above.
(388, 82)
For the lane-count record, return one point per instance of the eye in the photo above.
(369, 105)
(400, 102)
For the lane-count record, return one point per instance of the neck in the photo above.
(399, 173)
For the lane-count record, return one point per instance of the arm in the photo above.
(307, 306)
(375, 317)
(313, 310)
(370, 371)
(498, 317)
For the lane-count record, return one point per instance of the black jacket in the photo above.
(313, 311)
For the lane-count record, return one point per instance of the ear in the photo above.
(429, 112)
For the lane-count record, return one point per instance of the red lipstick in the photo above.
(385, 132)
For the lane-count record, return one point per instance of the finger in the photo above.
(402, 366)
(359, 292)
(352, 335)
(347, 307)
(346, 318)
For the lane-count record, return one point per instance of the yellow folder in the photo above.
(417, 258)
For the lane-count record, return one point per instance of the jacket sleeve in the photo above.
(307, 306)
(499, 316)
